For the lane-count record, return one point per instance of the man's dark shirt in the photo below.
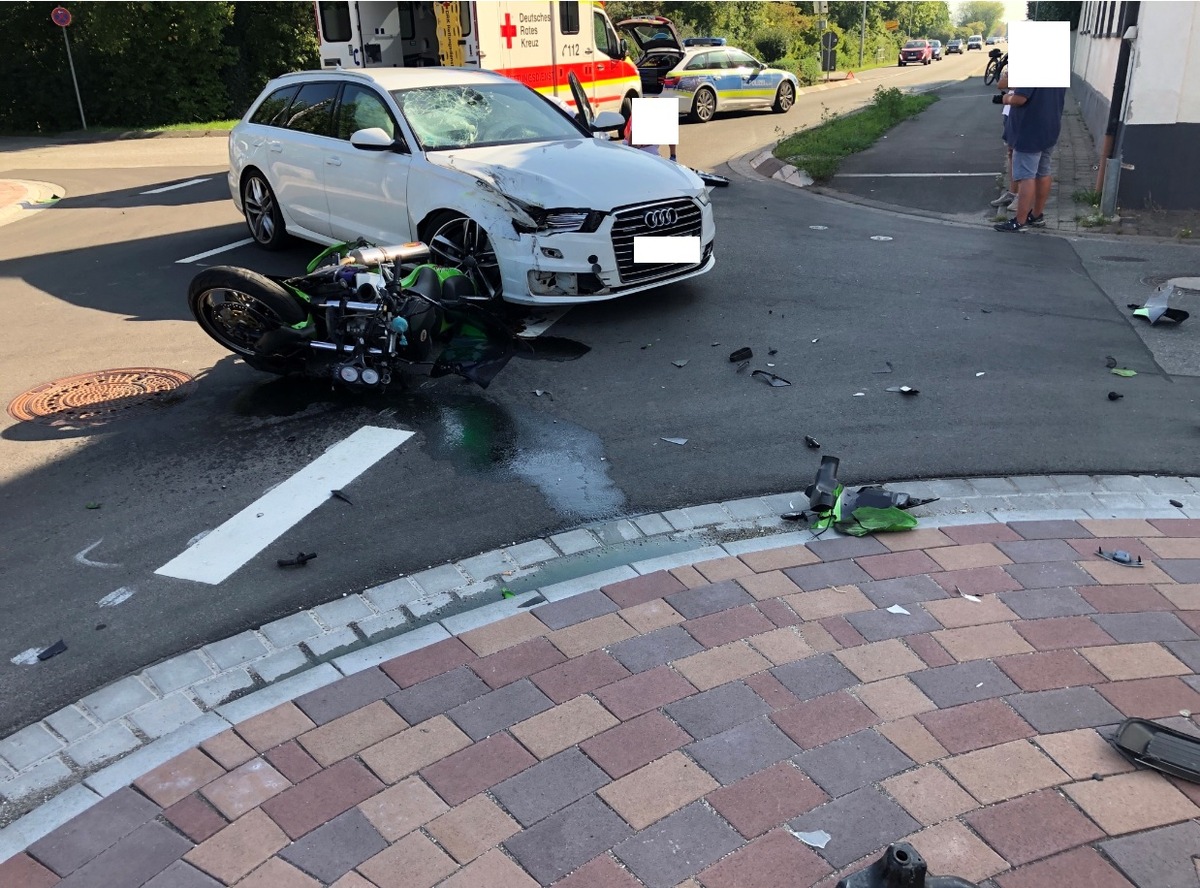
(1037, 124)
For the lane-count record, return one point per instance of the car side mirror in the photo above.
(624, 47)
(606, 121)
(373, 139)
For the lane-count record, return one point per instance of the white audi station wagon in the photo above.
(538, 206)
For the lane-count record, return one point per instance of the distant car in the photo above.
(975, 42)
(936, 49)
(956, 45)
(991, 41)
(704, 79)
(916, 52)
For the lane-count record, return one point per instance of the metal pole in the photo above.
(862, 37)
(71, 62)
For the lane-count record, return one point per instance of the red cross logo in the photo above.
(508, 30)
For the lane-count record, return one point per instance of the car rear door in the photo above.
(296, 156)
(367, 190)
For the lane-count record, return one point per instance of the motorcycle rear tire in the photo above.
(270, 307)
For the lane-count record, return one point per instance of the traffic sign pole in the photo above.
(61, 17)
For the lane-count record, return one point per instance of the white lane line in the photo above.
(82, 558)
(208, 253)
(542, 322)
(112, 599)
(176, 185)
(219, 554)
(910, 175)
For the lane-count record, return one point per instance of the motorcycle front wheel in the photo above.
(236, 307)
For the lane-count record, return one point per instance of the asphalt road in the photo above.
(95, 282)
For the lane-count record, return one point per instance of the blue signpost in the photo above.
(62, 17)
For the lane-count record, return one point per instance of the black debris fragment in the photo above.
(742, 366)
(903, 390)
(794, 516)
(770, 378)
(682, 363)
(299, 561)
(986, 311)
(536, 600)
(53, 651)
(101, 626)
(341, 496)
(742, 354)
(1176, 503)
(772, 351)
(93, 505)
(1115, 396)
(540, 392)
(887, 368)
(812, 442)
(1110, 361)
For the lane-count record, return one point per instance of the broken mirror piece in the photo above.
(812, 442)
(818, 838)
(676, 440)
(903, 390)
(1150, 745)
(742, 354)
(901, 866)
(770, 378)
(682, 363)
(1120, 556)
(53, 651)
(1122, 371)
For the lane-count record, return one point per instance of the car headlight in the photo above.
(557, 221)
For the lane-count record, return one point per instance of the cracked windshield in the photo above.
(583, 444)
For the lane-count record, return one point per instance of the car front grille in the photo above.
(630, 223)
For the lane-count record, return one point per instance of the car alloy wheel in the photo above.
(460, 242)
(784, 97)
(705, 105)
(263, 217)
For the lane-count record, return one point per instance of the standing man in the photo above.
(1036, 121)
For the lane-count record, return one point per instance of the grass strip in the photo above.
(820, 150)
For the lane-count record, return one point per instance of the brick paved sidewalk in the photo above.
(679, 728)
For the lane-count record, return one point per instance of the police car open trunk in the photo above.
(659, 49)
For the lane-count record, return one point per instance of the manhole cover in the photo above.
(1122, 258)
(91, 399)
(1182, 281)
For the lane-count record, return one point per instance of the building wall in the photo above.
(1163, 58)
(1094, 66)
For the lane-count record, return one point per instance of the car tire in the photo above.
(704, 105)
(927, 61)
(902, 64)
(262, 213)
(785, 97)
(458, 241)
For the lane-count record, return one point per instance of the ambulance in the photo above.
(536, 43)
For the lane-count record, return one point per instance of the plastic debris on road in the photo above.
(770, 378)
(682, 363)
(817, 838)
(680, 441)
(53, 651)
(742, 354)
(1120, 556)
(1122, 371)
(812, 443)
(903, 390)
(1157, 308)
(897, 609)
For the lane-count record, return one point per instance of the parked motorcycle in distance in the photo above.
(358, 315)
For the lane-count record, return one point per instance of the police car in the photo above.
(704, 79)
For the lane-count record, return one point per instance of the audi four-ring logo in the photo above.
(660, 218)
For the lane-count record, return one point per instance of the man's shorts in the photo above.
(1031, 164)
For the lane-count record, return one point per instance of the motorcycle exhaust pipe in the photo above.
(402, 253)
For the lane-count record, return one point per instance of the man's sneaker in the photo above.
(1011, 225)
(1004, 200)
(1036, 221)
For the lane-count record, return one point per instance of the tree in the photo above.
(269, 39)
(1055, 12)
(989, 12)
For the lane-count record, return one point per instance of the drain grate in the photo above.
(92, 399)
(1182, 281)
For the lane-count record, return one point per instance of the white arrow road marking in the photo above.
(83, 559)
(177, 185)
(207, 253)
(114, 598)
(26, 658)
(219, 554)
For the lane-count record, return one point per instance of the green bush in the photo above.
(772, 46)
(890, 101)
